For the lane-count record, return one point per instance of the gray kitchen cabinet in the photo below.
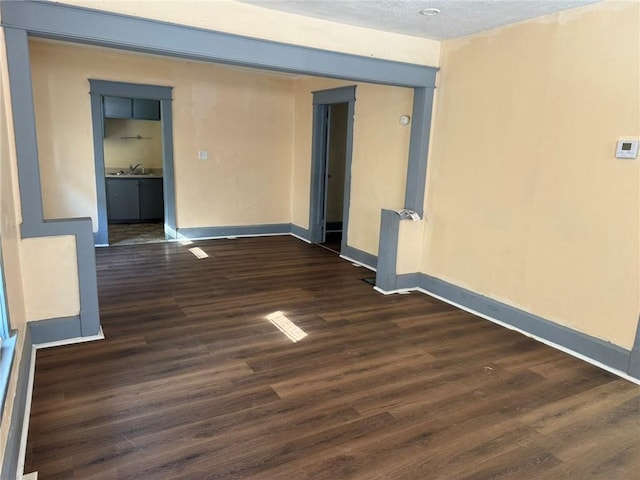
(131, 108)
(146, 109)
(117, 107)
(150, 199)
(122, 199)
(134, 200)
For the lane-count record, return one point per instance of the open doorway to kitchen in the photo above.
(133, 176)
(331, 167)
(133, 150)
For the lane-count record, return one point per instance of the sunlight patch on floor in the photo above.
(286, 326)
(198, 252)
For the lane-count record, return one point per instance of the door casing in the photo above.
(100, 88)
(321, 101)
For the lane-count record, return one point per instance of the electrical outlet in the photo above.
(203, 155)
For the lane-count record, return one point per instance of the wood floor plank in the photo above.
(193, 382)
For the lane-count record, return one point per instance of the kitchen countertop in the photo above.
(137, 175)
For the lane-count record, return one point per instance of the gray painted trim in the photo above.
(8, 349)
(55, 329)
(19, 65)
(76, 24)
(407, 281)
(606, 353)
(5, 320)
(34, 225)
(633, 368)
(321, 100)
(168, 166)
(100, 88)
(130, 90)
(346, 206)
(388, 250)
(419, 149)
(360, 256)
(11, 456)
(300, 232)
(234, 231)
(334, 95)
(318, 157)
(101, 236)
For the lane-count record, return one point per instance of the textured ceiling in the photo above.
(457, 18)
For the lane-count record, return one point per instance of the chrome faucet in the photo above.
(132, 169)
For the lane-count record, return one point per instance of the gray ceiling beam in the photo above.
(96, 27)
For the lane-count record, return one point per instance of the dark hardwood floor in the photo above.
(192, 381)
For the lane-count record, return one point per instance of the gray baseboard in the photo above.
(101, 237)
(11, 456)
(349, 252)
(234, 231)
(366, 259)
(386, 276)
(633, 368)
(300, 232)
(606, 353)
(55, 330)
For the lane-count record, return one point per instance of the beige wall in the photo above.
(527, 203)
(121, 152)
(380, 153)
(249, 20)
(50, 277)
(255, 126)
(242, 118)
(10, 235)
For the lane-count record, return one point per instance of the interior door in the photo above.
(335, 167)
(320, 211)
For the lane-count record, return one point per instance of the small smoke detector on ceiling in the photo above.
(429, 12)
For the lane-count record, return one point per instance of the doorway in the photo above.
(133, 154)
(133, 176)
(335, 165)
(331, 167)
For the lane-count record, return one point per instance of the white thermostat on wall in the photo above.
(627, 149)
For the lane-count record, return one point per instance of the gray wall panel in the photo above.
(419, 149)
(388, 250)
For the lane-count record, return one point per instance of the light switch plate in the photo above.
(203, 155)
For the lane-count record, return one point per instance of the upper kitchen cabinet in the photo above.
(138, 108)
(146, 109)
(118, 107)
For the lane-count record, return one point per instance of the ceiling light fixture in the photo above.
(429, 12)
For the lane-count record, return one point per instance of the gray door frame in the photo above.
(322, 100)
(101, 88)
